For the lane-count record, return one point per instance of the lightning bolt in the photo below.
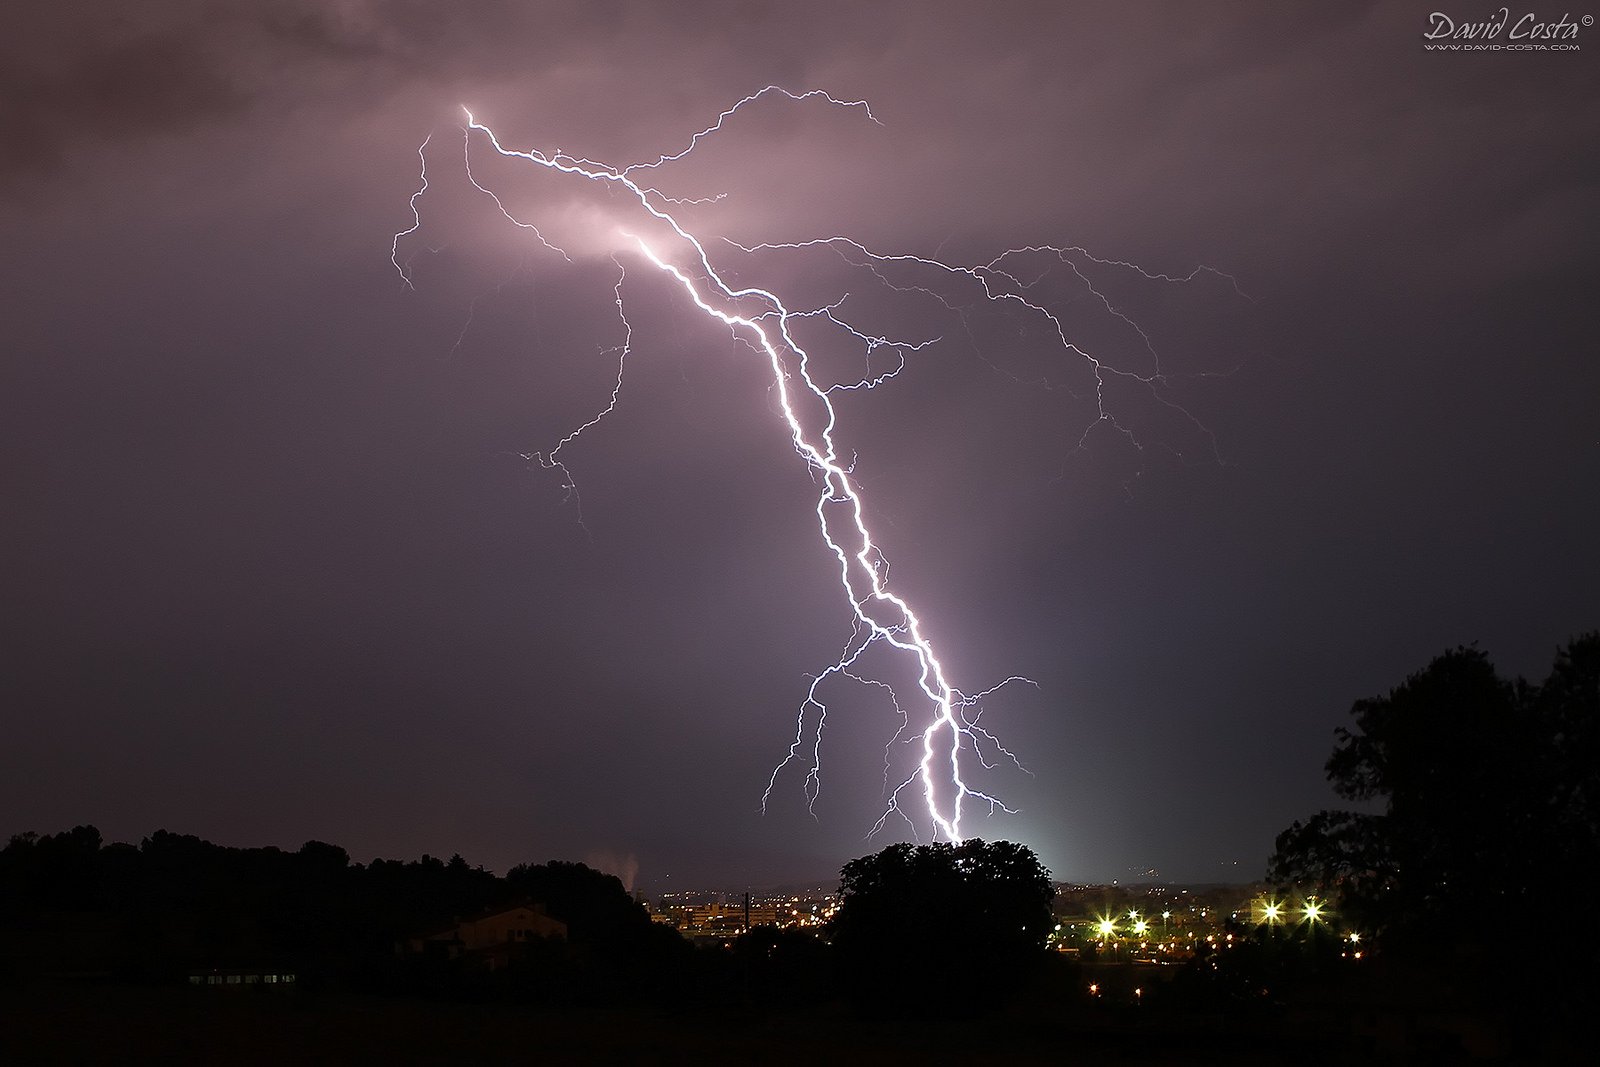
(944, 723)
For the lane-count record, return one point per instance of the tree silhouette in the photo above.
(1488, 790)
(942, 926)
(594, 905)
(617, 952)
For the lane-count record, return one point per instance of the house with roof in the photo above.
(493, 938)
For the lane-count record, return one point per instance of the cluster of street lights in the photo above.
(1267, 911)
(1106, 926)
(1274, 912)
(1310, 912)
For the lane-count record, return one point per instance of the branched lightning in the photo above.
(551, 460)
(416, 215)
(771, 90)
(942, 720)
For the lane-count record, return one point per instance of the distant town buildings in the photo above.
(716, 916)
(1149, 922)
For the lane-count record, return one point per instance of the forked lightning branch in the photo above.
(953, 752)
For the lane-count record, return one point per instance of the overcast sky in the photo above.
(278, 570)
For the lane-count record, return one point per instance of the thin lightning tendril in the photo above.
(551, 460)
(951, 731)
(416, 216)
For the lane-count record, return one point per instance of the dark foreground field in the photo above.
(89, 1024)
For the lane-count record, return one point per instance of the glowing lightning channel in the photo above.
(859, 571)
(760, 319)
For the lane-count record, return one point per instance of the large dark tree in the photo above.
(616, 951)
(942, 925)
(1481, 796)
(594, 905)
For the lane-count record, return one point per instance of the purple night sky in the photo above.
(276, 569)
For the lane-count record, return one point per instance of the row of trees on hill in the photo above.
(174, 904)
